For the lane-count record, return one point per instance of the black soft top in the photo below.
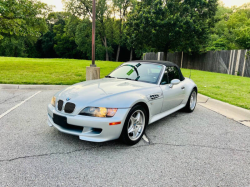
(165, 63)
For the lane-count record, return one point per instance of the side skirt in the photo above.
(166, 113)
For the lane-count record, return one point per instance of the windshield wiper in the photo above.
(125, 78)
(109, 76)
(137, 78)
(118, 77)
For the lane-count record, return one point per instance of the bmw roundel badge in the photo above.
(67, 99)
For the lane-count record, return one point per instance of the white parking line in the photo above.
(13, 108)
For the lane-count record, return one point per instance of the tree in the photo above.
(121, 7)
(171, 25)
(46, 45)
(65, 45)
(239, 25)
(83, 8)
(59, 41)
(11, 46)
(21, 23)
(83, 40)
(232, 29)
(134, 29)
(243, 37)
(22, 18)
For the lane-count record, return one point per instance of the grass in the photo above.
(48, 71)
(228, 88)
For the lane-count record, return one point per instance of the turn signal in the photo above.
(53, 101)
(111, 112)
(115, 123)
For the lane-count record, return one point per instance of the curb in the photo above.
(33, 87)
(238, 114)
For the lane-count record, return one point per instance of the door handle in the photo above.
(182, 87)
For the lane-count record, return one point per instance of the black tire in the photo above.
(188, 108)
(125, 137)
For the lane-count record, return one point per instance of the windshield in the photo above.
(139, 72)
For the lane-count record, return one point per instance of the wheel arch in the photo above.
(196, 89)
(145, 106)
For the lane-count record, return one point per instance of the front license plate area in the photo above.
(60, 120)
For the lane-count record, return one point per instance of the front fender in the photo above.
(130, 99)
(190, 85)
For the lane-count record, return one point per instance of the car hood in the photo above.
(85, 93)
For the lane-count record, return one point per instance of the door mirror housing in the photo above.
(174, 82)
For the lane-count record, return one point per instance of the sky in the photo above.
(230, 3)
(59, 7)
(57, 3)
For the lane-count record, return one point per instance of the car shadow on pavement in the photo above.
(67, 140)
(74, 141)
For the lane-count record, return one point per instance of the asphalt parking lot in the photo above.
(199, 149)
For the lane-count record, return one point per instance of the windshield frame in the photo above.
(159, 77)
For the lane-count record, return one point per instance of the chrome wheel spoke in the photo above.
(193, 100)
(134, 134)
(139, 130)
(137, 134)
(139, 124)
(133, 120)
(136, 125)
(138, 117)
(131, 129)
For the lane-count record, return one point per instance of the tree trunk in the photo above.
(106, 47)
(131, 54)
(118, 53)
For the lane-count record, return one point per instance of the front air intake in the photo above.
(60, 105)
(69, 107)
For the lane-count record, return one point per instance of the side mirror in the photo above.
(174, 82)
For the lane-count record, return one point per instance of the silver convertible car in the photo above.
(122, 104)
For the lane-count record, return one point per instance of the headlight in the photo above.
(53, 101)
(98, 112)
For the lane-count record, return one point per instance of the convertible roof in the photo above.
(166, 63)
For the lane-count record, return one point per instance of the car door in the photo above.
(173, 94)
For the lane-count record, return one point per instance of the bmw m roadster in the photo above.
(122, 104)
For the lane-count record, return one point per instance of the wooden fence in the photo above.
(234, 62)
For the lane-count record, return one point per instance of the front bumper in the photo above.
(105, 131)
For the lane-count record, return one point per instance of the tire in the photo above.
(136, 128)
(192, 101)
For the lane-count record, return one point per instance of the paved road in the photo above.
(198, 149)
